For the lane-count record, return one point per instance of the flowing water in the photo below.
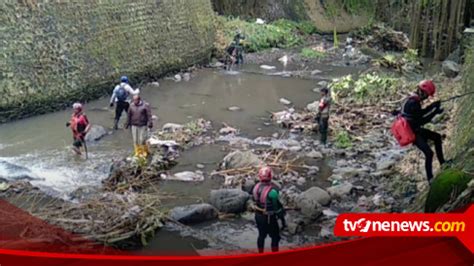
(39, 147)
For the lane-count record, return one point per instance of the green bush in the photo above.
(281, 33)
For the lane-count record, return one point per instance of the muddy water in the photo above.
(39, 147)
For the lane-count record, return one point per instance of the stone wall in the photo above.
(57, 52)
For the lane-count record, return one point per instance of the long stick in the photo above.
(457, 96)
(85, 148)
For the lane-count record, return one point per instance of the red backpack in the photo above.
(402, 130)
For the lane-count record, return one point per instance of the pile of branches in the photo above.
(188, 135)
(137, 174)
(110, 218)
(282, 161)
(386, 38)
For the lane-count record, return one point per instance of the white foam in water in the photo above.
(58, 173)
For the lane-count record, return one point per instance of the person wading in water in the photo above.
(121, 98)
(140, 120)
(268, 209)
(80, 126)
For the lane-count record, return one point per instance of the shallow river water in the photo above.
(40, 146)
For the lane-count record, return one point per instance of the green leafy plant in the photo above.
(311, 53)
(343, 140)
(282, 33)
(368, 87)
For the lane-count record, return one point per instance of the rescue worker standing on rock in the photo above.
(80, 126)
(121, 98)
(323, 114)
(417, 117)
(267, 210)
(140, 120)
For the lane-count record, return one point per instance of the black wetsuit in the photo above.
(417, 117)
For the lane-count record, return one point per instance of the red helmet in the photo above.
(265, 174)
(428, 87)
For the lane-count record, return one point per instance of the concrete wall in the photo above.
(57, 52)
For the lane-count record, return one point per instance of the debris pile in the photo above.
(109, 218)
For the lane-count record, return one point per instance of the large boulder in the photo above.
(229, 200)
(195, 213)
(96, 133)
(311, 200)
(240, 159)
(450, 68)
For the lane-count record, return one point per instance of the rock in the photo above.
(285, 101)
(172, 127)
(314, 154)
(385, 164)
(377, 200)
(177, 78)
(260, 21)
(315, 72)
(340, 190)
(325, 232)
(301, 181)
(83, 193)
(330, 213)
(187, 76)
(96, 133)
(363, 202)
(216, 64)
(248, 185)
(240, 159)
(186, 176)
(227, 130)
(234, 108)
(350, 172)
(200, 166)
(195, 213)
(314, 106)
(155, 84)
(284, 60)
(450, 69)
(323, 83)
(267, 67)
(310, 201)
(229, 200)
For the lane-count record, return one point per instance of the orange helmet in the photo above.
(265, 174)
(428, 87)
